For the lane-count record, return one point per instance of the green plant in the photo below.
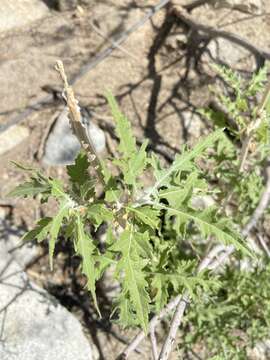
(156, 236)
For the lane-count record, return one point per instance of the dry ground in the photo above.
(157, 87)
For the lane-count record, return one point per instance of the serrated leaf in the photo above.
(55, 227)
(127, 144)
(40, 231)
(134, 165)
(57, 190)
(222, 229)
(98, 213)
(78, 172)
(30, 188)
(85, 249)
(146, 215)
(112, 193)
(182, 161)
(137, 289)
(143, 244)
(134, 282)
(160, 286)
(177, 195)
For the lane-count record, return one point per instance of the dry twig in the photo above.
(76, 124)
(264, 245)
(153, 342)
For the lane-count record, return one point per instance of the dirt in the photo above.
(152, 78)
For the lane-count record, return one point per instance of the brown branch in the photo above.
(79, 130)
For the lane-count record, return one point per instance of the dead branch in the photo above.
(79, 130)
(153, 341)
(263, 204)
(264, 245)
(152, 323)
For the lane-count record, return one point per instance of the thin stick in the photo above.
(112, 42)
(153, 342)
(177, 318)
(263, 204)
(153, 322)
(263, 243)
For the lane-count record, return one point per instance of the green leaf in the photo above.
(40, 232)
(31, 188)
(85, 249)
(183, 161)
(134, 283)
(112, 192)
(257, 82)
(58, 191)
(98, 213)
(127, 144)
(177, 195)
(134, 166)
(160, 285)
(55, 227)
(78, 172)
(206, 220)
(146, 215)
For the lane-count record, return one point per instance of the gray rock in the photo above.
(227, 52)
(62, 146)
(12, 137)
(33, 324)
(23, 253)
(17, 13)
(192, 123)
(249, 6)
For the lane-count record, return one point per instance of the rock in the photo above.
(12, 137)
(192, 123)
(17, 13)
(227, 52)
(249, 6)
(33, 324)
(23, 253)
(62, 146)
